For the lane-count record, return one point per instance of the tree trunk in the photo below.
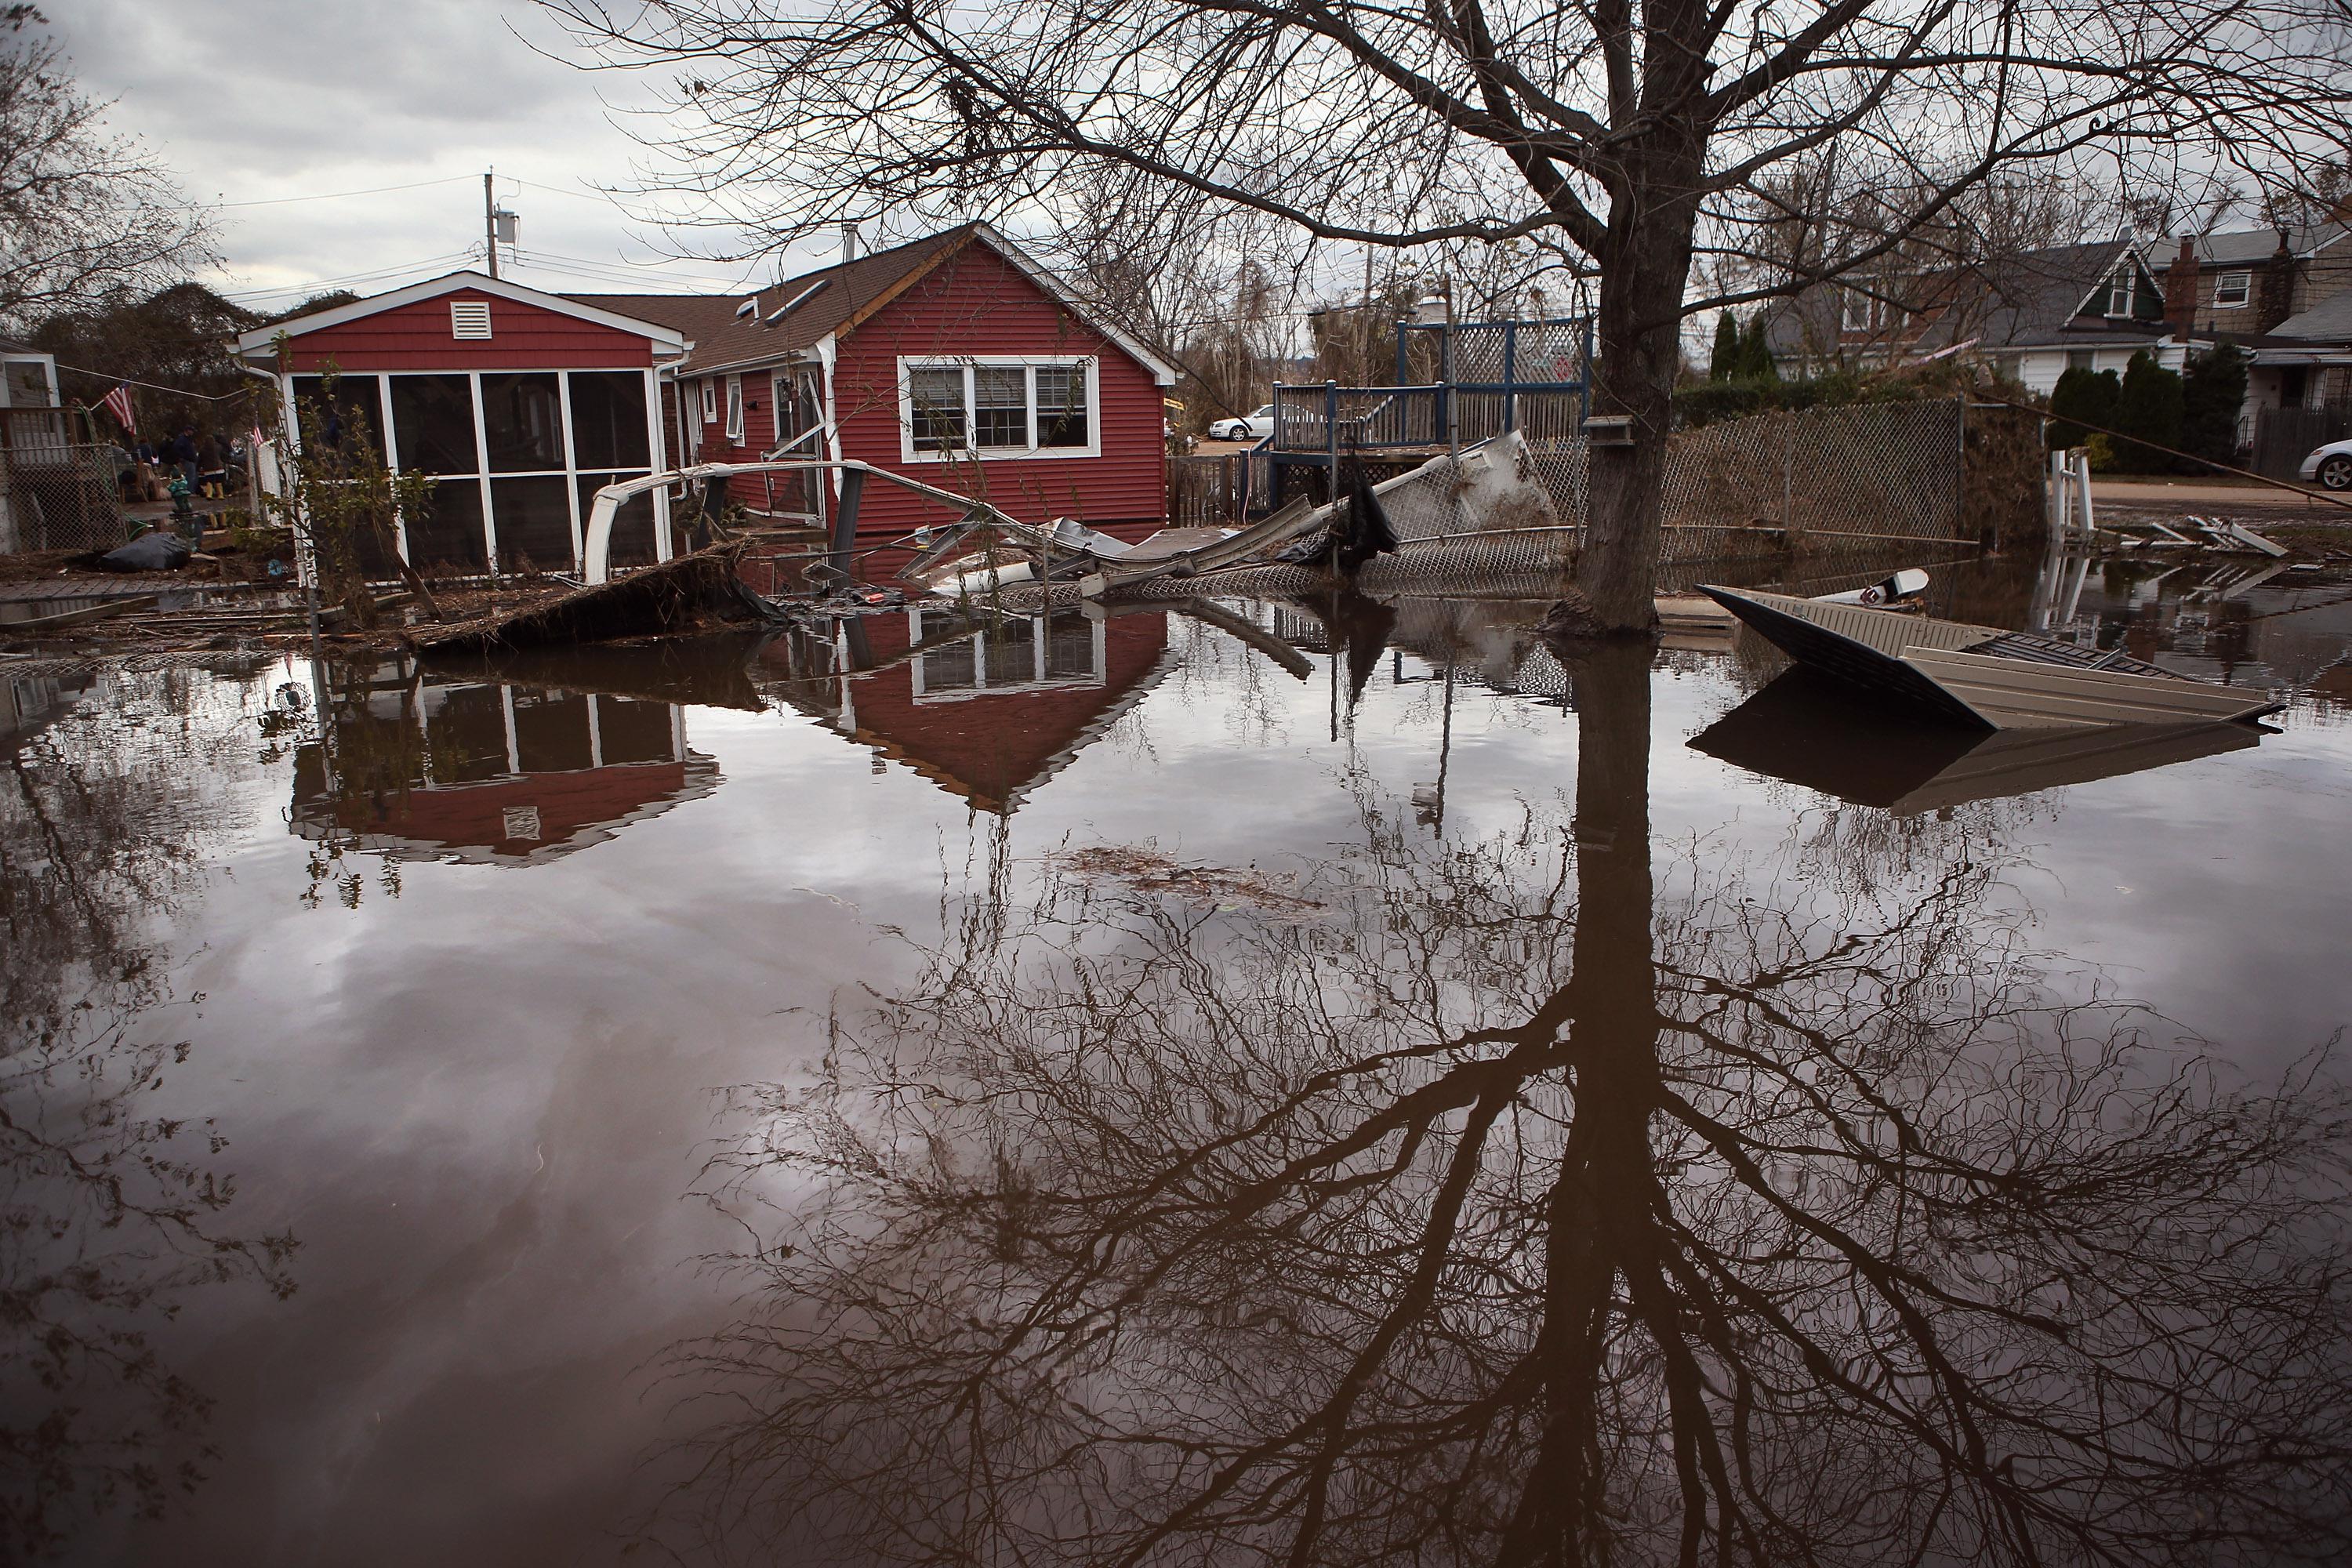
(1645, 265)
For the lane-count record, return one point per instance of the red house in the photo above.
(954, 359)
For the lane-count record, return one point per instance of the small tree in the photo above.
(1756, 354)
(2211, 392)
(342, 498)
(1725, 363)
(2081, 398)
(2149, 409)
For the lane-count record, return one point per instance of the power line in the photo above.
(320, 284)
(339, 195)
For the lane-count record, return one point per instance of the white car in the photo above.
(2331, 466)
(1256, 426)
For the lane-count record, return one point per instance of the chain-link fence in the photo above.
(55, 492)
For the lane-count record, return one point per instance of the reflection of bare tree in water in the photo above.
(109, 1213)
(1511, 1213)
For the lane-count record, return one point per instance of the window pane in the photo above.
(938, 398)
(522, 415)
(633, 530)
(534, 524)
(450, 539)
(352, 414)
(1001, 414)
(1062, 405)
(1012, 652)
(608, 420)
(1070, 645)
(433, 418)
(631, 730)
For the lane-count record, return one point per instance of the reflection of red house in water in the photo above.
(989, 715)
(420, 768)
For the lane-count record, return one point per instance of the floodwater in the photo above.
(1339, 1085)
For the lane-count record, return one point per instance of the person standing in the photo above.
(211, 477)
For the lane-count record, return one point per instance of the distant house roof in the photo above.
(2330, 321)
(2034, 298)
(2244, 247)
(789, 319)
(15, 346)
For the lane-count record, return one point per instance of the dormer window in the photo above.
(2233, 289)
(1866, 313)
(2119, 292)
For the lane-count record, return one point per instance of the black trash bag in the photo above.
(156, 552)
(1369, 532)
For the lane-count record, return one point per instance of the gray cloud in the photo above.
(249, 100)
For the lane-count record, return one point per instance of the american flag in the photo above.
(118, 403)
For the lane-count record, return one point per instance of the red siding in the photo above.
(977, 303)
(523, 337)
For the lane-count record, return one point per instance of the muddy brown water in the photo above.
(1092, 1094)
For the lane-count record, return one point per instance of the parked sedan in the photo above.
(1254, 427)
(2331, 466)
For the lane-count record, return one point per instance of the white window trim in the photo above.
(2245, 290)
(910, 364)
(710, 401)
(2126, 285)
(735, 410)
(1008, 681)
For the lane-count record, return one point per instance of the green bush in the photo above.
(2149, 410)
(2086, 395)
(2211, 393)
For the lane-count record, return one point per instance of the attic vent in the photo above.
(797, 300)
(469, 318)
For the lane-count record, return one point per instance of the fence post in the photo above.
(1511, 374)
(1331, 432)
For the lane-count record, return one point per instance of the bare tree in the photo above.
(1636, 134)
(84, 213)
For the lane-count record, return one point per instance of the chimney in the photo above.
(2274, 300)
(2181, 288)
(848, 243)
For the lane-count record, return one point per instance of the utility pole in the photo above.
(490, 219)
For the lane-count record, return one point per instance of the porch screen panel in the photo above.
(608, 421)
(1062, 414)
(433, 417)
(466, 734)
(450, 538)
(522, 417)
(533, 517)
(1000, 395)
(633, 731)
(353, 411)
(632, 526)
(550, 732)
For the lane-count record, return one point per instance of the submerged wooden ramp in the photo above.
(672, 597)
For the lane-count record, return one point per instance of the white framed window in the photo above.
(735, 409)
(2233, 289)
(2120, 291)
(710, 401)
(1865, 312)
(999, 406)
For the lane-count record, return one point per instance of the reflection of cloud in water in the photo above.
(1519, 1211)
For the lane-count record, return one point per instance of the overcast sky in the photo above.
(260, 100)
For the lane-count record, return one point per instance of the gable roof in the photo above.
(665, 339)
(2244, 247)
(789, 319)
